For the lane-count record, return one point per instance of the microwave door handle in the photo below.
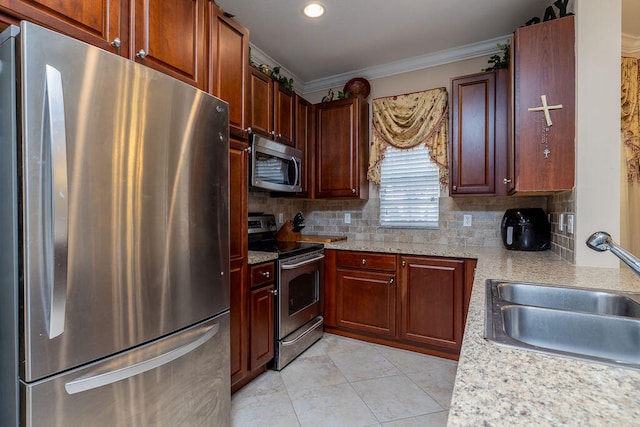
(295, 165)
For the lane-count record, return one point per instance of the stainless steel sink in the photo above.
(563, 298)
(595, 325)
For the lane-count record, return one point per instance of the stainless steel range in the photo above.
(298, 310)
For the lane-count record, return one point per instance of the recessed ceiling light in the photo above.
(314, 10)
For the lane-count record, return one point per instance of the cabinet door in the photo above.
(260, 117)
(238, 260)
(432, 295)
(303, 130)
(366, 301)
(169, 36)
(341, 149)
(238, 181)
(97, 22)
(545, 65)
(479, 117)
(283, 106)
(262, 326)
(238, 317)
(229, 62)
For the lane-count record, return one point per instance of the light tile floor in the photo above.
(344, 382)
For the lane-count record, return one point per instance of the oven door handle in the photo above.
(300, 264)
(311, 329)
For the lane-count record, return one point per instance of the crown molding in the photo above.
(469, 51)
(630, 44)
(259, 57)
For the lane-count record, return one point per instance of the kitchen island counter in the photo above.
(501, 386)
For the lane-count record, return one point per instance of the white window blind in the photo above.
(409, 189)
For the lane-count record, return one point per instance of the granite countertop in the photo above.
(501, 386)
(258, 257)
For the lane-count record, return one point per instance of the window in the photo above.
(409, 189)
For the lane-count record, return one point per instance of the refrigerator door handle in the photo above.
(104, 378)
(54, 146)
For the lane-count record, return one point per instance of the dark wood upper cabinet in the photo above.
(283, 114)
(544, 58)
(271, 108)
(170, 37)
(342, 133)
(228, 66)
(479, 134)
(303, 140)
(260, 116)
(102, 23)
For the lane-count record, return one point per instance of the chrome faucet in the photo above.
(601, 241)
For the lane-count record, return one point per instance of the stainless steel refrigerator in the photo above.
(114, 292)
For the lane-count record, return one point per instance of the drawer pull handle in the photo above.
(392, 280)
(364, 261)
(266, 274)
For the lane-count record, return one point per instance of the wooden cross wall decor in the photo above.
(545, 108)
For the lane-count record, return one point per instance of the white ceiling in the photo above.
(356, 36)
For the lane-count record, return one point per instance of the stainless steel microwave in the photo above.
(274, 166)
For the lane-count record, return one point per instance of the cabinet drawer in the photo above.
(367, 260)
(262, 273)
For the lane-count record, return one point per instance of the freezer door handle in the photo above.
(56, 195)
(95, 380)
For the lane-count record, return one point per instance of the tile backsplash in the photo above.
(562, 243)
(326, 217)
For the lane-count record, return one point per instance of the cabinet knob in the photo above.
(392, 280)
(353, 191)
(116, 42)
(455, 188)
(266, 274)
(279, 135)
(506, 180)
(404, 263)
(364, 261)
(141, 54)
(248, 130)
(272, 133)
(274, 291)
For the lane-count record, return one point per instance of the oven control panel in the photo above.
(262, 223)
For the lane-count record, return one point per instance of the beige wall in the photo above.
(598, 47)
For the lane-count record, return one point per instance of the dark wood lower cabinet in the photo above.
(413, 302)
(432, 301)
(366, 301)
(238, 314)
(262, 327)
(258, 326)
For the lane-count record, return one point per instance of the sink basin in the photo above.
(604, 338)
(562, 298)
(594, 325)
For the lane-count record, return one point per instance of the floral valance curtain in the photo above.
(405, 121)
(630, 117)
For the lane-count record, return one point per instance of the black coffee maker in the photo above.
(526, 229)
